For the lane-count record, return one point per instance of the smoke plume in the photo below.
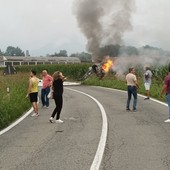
(103, 22)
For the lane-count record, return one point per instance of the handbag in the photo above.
(50, 95)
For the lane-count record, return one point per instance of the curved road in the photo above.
(136, 140)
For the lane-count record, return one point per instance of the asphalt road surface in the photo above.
(136, 140)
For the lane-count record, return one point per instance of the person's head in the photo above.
(44, 72)
(147, 67)
(57, 75)
(33, 73)
(131, 70)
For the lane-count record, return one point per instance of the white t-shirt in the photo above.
(131, 79)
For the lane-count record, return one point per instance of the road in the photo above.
(136, 140)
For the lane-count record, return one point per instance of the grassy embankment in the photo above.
(14, 104)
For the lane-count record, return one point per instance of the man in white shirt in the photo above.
(132, 86)
(147, 81)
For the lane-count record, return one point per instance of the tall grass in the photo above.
(72, 71)
(14, 104)
(112, 81)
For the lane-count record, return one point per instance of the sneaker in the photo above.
(128, 110)
(167, 121)
(59, 121)
(147, 98)
(34, 114)
(134, 110)
(51, 120)
(37, 114)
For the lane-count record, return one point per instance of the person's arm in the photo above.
(163, 90)
(29, 87)
(136, 82)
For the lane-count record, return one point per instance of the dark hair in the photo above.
(130, 69)
(34, 72)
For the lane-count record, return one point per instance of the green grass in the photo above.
(112, 82)
(14, 104)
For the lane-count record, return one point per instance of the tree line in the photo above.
(109, 50)
(12, 51)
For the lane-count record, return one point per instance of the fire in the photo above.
(107, 65)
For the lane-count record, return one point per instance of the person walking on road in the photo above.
(147, 81)
(132, 86)
(166, 90)
(57, 87)
(33, 92)
(47, 81)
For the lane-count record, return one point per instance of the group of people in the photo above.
(55, 83)
(52, 83)
(132, 86)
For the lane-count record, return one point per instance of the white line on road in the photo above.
(157, 101)
(102, 143)
(27, 113)
(16, 122)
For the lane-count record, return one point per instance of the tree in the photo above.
(84, 57)
(62, 53)
(14, 51)
(1, 53)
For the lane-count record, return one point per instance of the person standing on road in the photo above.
(166, 89)
(132, 86)
(33, 92)
(47, 81)
(57, 87)
(147, 81)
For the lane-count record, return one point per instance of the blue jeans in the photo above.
(168, 101)
(132, 91)
(44, 98)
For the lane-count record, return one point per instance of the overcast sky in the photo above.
(47, 26)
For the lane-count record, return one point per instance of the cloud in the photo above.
(44, 26)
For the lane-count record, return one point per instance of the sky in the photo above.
(48, 26)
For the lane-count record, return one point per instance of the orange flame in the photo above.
(107, 65)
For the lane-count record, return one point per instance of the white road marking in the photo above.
(102, 143)
(27, 113)
(16, 122)
(101, 147)
(157, 101)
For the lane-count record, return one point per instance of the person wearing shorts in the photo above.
(147, 81)
(33, 92)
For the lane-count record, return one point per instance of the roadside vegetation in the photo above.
(13, 103)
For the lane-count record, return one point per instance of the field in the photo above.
(13, 103)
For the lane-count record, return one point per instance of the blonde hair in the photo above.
(57, 75)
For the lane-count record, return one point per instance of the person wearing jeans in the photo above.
(132, 91)
(132, 86)
(166, 89)
(47, 81)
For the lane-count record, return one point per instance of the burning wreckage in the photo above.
(99, 69)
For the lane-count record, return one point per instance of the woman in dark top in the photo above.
(57, 87)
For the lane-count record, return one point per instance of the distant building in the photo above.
(17, 60)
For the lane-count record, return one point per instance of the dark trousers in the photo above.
(59, 104)
(132, 91)
(44, 98)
